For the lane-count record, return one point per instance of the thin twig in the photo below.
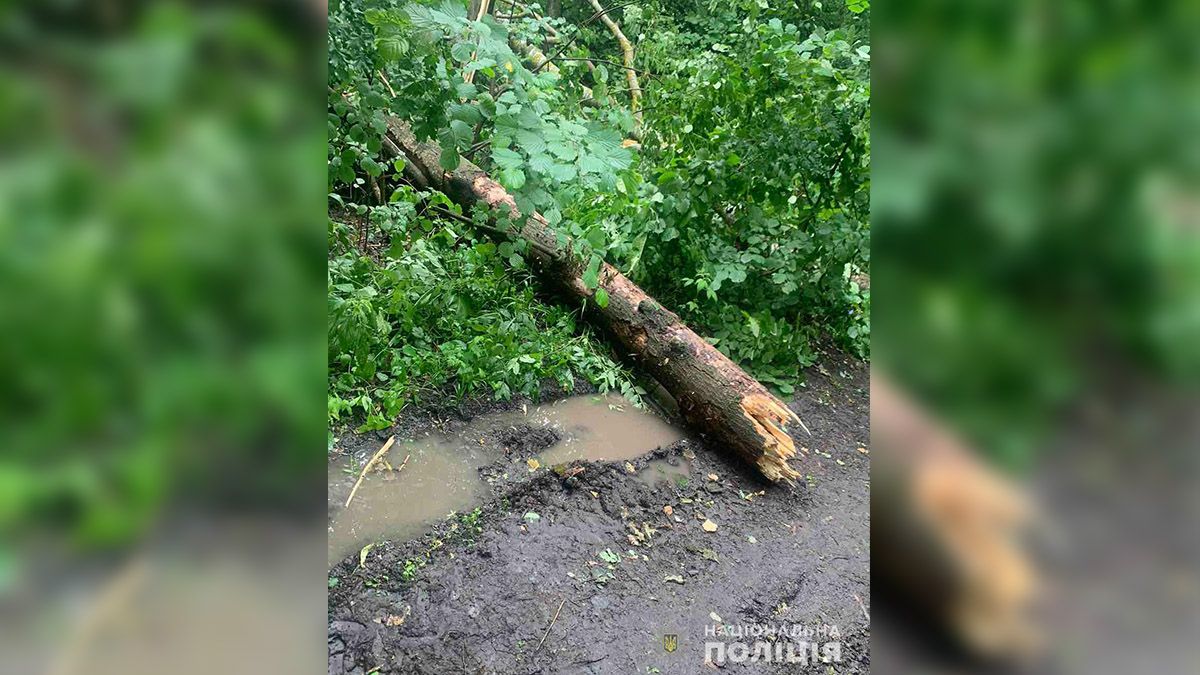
(470, 153)
(363, 474)
(483, 8)
(507, 233)
(612, 63)
(560, 606)
(403, 464)
(386, 83)
(862, 607)
(590, 19)
(610, 10)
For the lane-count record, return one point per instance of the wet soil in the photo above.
(418, 481)
(580, 568)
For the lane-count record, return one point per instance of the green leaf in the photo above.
(532, 141)
(591, 276)
(465, 112)
(449, 159)
(602, 298)
(563, 173)
(596, 238)
(591, 164)
(513, 178)
(541, 164)
(562, 151)
(755, 328)
(461, 51)
(391, 46)
(370, 166)
(463, 134)
(507, 159)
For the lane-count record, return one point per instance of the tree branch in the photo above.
(631, 73)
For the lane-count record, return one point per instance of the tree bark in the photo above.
(715, 396)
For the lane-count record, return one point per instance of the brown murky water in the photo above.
(442, 474)
(605, 428)
(675, 471)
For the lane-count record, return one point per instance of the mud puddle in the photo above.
(442, 471)
(675, 471)
(440, 477)
(601, 428)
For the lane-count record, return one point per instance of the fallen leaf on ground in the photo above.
(362, 554)
(715, 617)
(629, 468)
(709, 526)
(673, 577)
(533, 464)
(713, 477)
(668, 510)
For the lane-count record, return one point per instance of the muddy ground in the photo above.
(579, 569)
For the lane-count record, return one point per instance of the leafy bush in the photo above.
(431, 307)
(740, 201)
(754, 217)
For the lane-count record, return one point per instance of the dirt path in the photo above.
(586, 573)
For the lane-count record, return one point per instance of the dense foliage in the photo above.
(1036, 212)
(161, 268)
(735, 190)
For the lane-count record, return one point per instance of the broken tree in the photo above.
(715, 396)
(947, 532)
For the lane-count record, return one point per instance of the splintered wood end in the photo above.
(769, 417)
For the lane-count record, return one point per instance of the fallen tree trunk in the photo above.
(946, 532)
(715, 396)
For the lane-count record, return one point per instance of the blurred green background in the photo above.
(1035, 207)
(162, 257)
(1036, 275)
